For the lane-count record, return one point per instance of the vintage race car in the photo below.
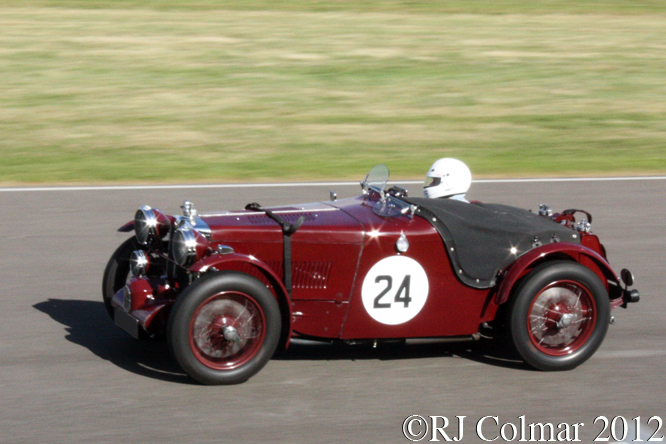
(229, 289)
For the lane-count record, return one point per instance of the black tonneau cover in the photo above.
(479, 237)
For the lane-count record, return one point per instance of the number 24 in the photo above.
(399, 296)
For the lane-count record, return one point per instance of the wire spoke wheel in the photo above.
(224, 328)
(227, 330)
(117, 272)
(561, 318)
(559, 315)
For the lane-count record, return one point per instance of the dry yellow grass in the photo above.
(223, 95)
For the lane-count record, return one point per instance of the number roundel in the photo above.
(395, 290)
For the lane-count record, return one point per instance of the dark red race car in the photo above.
(228, 289)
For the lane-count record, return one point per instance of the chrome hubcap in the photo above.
(230, 334)
(566, 320)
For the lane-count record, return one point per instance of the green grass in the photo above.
(184, 91)
(392, 6)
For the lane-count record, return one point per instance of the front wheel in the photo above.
(224, 328)
(117, 272)
(559, 316)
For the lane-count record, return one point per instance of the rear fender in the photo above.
(556, 251)
(258, 269)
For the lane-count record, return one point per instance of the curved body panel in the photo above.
(324, 250)
(450, 307)
(578, 253)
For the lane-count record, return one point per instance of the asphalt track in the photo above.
(68, 375)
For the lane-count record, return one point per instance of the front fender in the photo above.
(579, 253)
(258, 268)
(129, 226)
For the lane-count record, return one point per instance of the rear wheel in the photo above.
(224, 328)
(559, 316)
(117, 272)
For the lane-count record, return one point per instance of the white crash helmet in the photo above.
(447, 177)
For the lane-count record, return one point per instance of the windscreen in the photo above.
(377, 178)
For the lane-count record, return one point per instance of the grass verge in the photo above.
(164, 93)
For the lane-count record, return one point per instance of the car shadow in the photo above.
(495, 352)
(88, 325)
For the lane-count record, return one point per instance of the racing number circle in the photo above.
(395, 290)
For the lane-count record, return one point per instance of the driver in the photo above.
(447, 177)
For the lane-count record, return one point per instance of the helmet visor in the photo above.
(432, 182)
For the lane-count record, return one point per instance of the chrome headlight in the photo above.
(145, 224)
(183, 246)
(139, 263)
(187, 246)
(150, 224)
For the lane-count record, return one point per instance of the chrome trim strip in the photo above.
(245, 213)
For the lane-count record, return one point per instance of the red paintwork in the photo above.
(318, 318)
(592, 242)
(327, 245)
(250, 265)
(333, 251)
(129, 226)
(529, 260)
(149, 298)
(163, 223)
(451, 308)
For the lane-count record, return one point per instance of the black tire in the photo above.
(568, 323)
(117, 271)
(224, 328)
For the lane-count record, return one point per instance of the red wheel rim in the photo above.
(227, 330)
(561, 318)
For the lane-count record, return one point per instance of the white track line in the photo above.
(310, 184)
